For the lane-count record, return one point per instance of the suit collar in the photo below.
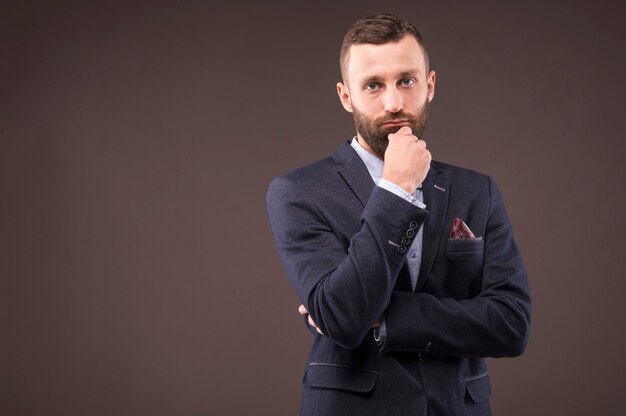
(354, 172)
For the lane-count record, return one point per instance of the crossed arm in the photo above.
(302, 311)
(344, 293)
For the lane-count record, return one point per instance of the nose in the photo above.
(393, 100)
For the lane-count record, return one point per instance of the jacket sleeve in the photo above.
(493, 324)
(345, 285)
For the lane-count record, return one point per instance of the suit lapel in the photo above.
(356, 175)
(435, 191)
(354, 172)
(436, 194)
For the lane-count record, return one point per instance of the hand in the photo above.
(302, 311)
(406, 160)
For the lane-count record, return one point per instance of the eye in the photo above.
(407, 82)
(372, 86)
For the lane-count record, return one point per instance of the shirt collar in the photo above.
(373, 164)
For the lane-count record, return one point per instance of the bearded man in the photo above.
(406, 268)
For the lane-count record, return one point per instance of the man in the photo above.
(406, 268)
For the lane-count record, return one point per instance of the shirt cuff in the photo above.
(395, 189)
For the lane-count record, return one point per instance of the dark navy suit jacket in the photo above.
(343, 243)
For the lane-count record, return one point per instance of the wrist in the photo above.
(406, 186)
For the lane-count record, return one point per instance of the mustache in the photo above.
(396, 116)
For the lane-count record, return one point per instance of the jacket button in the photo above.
(402, 249)
(410, 233)
(413, 225)
(405, 241)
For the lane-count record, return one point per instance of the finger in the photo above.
(404, 131)
(302, 310)
(315, 326)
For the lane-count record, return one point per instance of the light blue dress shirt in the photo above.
(414, 257)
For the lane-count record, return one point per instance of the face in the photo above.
(386, 88)
(374, 132)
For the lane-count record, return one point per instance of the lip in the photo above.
(396, 123)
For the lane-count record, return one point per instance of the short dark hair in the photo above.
(378, 29)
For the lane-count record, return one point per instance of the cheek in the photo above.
(417, 98)
(369, 105)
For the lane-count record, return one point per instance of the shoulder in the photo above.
(457, 174)
(302, 179)
(319, 174)
(469, 186)
(311, 171)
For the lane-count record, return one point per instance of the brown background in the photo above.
(138, 273)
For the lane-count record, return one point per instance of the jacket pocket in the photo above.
(464, 261)
(478, 387)
(458, 248)
(337, 376)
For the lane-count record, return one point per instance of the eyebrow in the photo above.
(403, 74)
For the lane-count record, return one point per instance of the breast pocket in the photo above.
(459, 248)
(464, 260)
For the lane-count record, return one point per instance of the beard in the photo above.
(376, 136)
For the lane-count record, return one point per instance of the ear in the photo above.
(430, 82)
(344, 96)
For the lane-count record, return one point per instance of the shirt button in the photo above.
(413, 255)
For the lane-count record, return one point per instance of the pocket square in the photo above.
(460, 229)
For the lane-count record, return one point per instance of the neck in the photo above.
(366, 146)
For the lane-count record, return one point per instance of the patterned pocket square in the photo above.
(460, 229)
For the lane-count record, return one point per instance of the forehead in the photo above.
(367, 60)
